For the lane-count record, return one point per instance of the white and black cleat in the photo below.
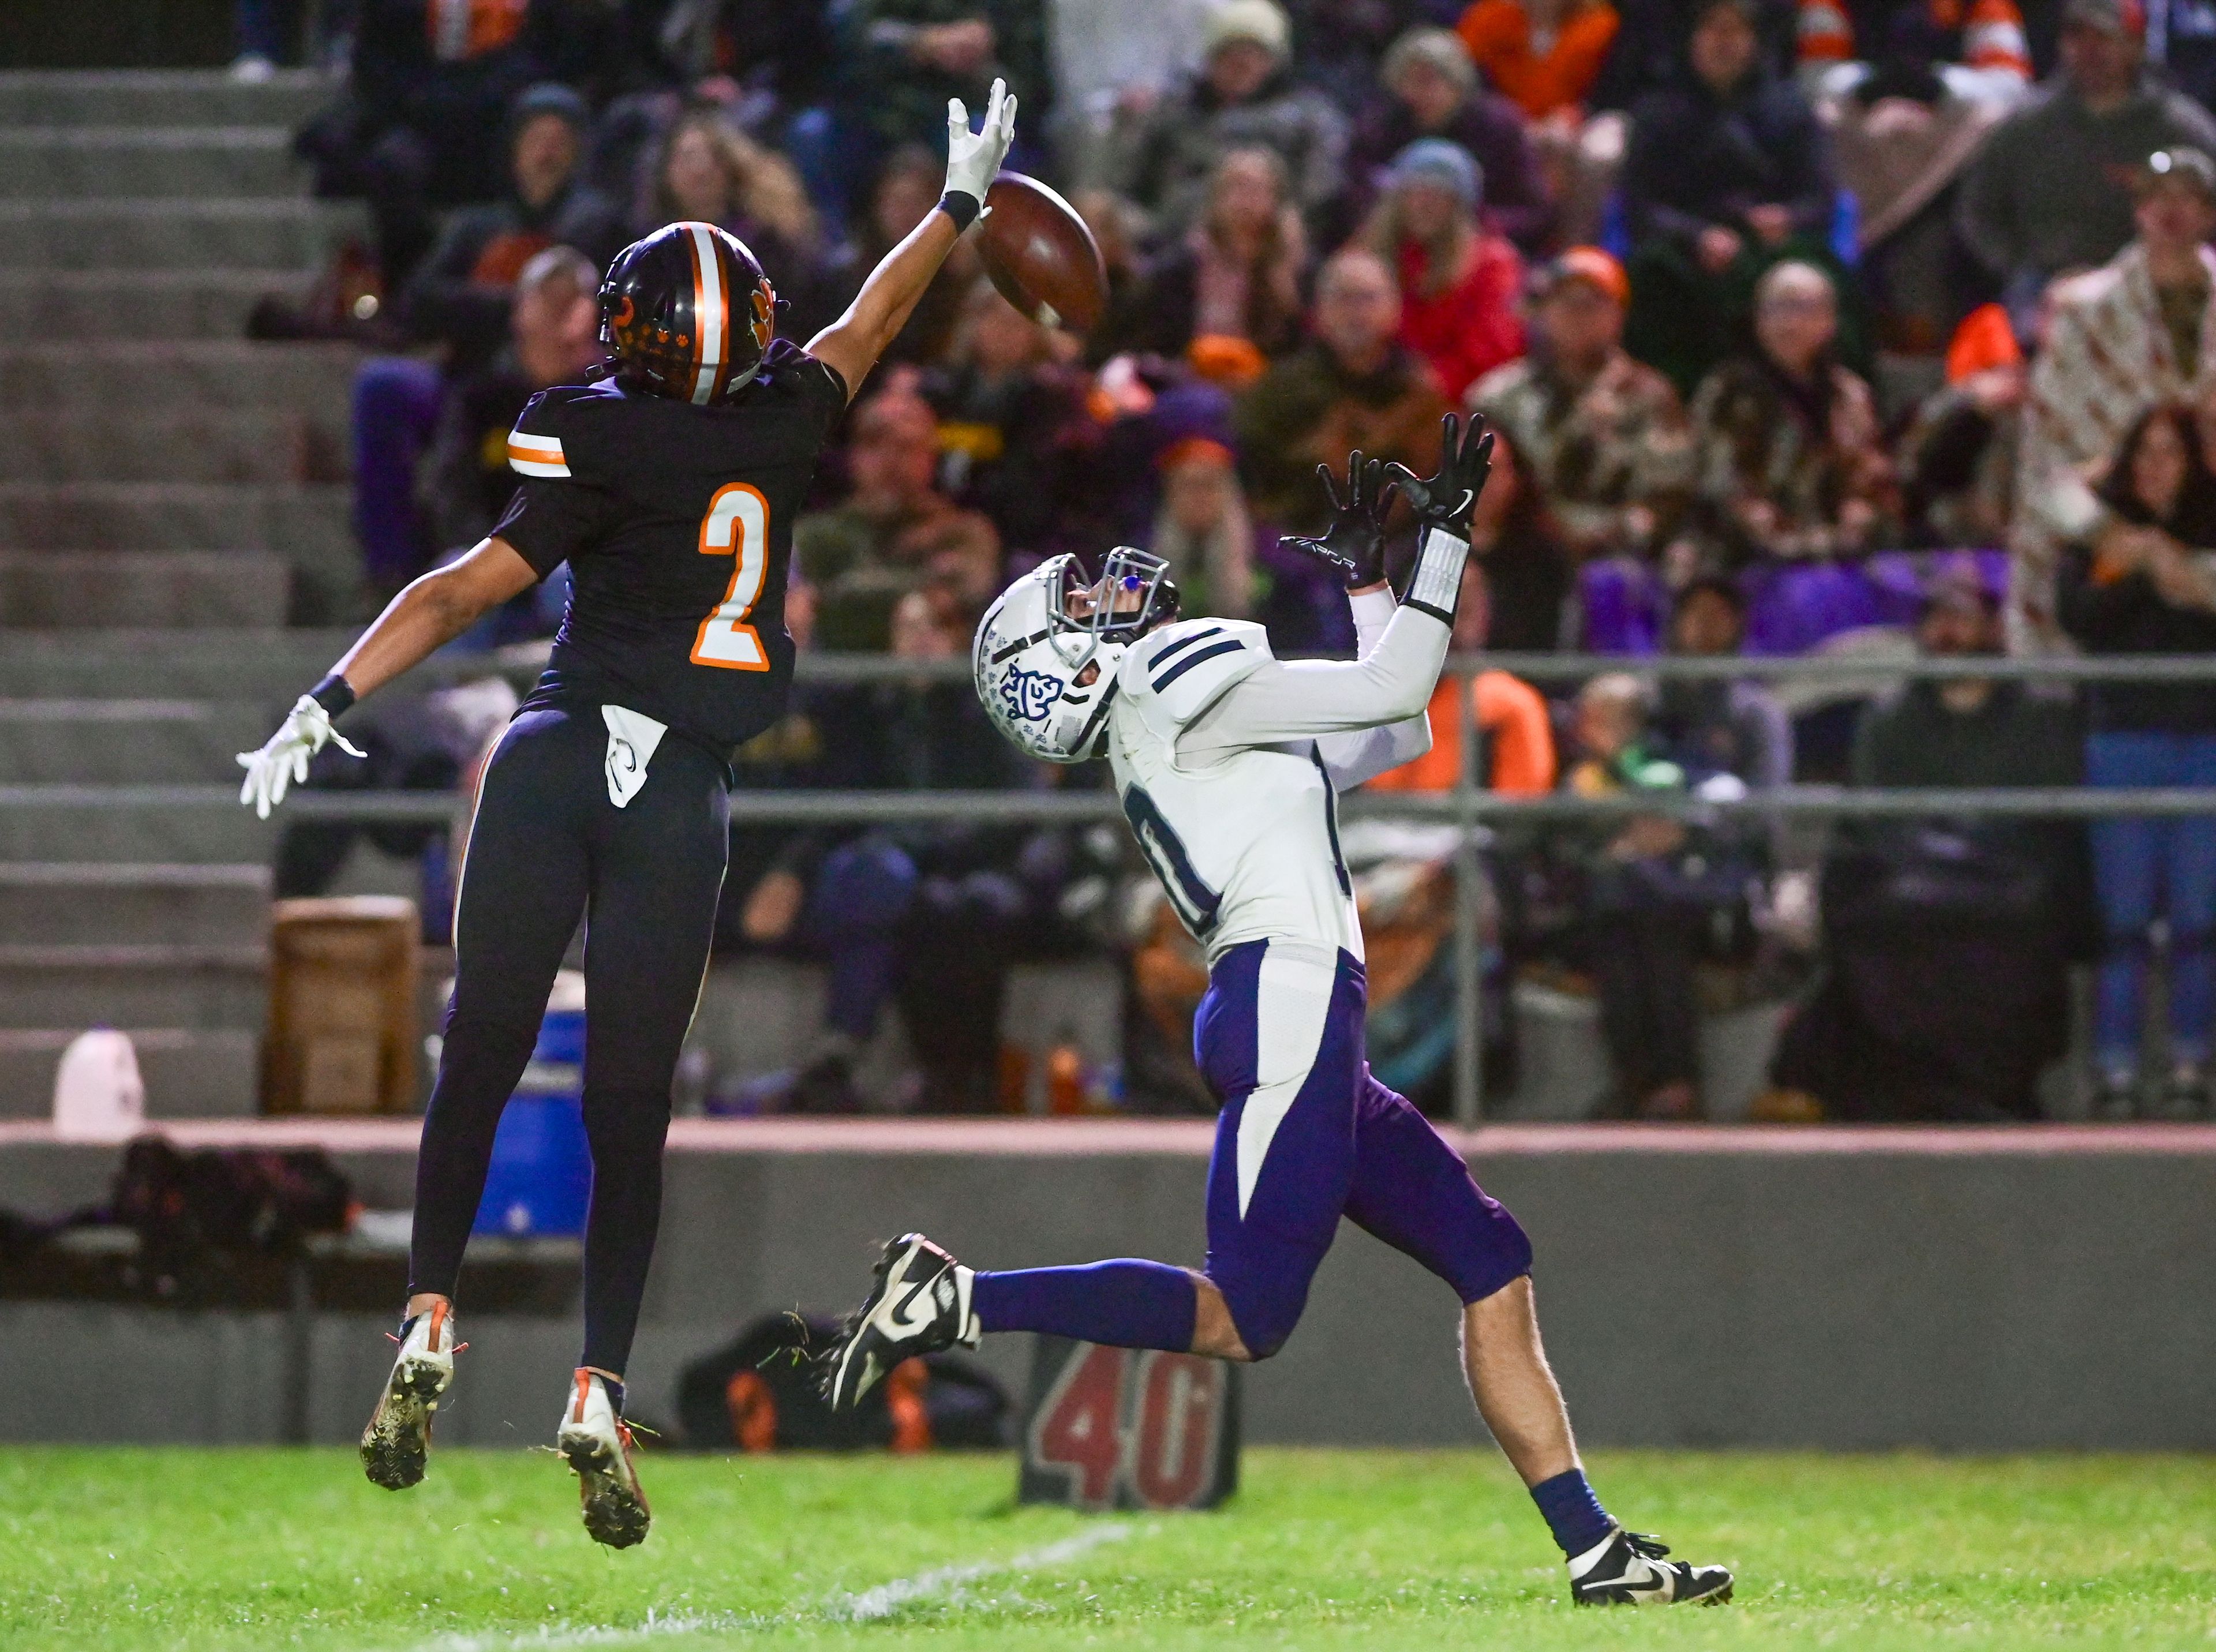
(398, 1442)
(1628, 1569)
(919, 1305)
(598, 1447)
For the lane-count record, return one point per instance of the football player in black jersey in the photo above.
(669, 486)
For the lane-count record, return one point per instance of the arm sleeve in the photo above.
(1358, 755)
(1282, 702)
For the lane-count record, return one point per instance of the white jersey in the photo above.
(1229, 762)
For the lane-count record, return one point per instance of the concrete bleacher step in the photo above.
(184, 377)
(190, 1073)
(110, 986)
(138, 304)
(161, 97)
(77, 903)
(108, 823)
(142, 742)
(62, 589)
(124, 443)
(308, 522)
(91, 163)
(265, 667)
(139, 233)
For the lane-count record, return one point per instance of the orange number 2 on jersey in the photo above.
(736, 526)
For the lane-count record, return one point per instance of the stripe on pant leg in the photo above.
(1292, 1000)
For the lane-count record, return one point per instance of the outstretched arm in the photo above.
(1285, 700)
(1367, 715)
(430, 613)
(851, 345)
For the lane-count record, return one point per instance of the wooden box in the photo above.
(342, 990)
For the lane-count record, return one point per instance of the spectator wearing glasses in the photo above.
(2148, 586)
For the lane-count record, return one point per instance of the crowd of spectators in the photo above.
(1799, 322)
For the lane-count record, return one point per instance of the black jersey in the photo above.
(676, 521)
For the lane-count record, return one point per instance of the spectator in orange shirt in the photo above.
(1459, 281)
(1544, 55)
(1515, 735)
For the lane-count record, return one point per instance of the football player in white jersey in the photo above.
(1229, 764)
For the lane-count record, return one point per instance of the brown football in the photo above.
(1041, 256)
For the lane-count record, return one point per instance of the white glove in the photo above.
(284, 759)
(973, 158)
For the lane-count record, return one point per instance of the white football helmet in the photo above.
(1047, 631)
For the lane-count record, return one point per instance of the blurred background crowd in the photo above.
(1875, 327)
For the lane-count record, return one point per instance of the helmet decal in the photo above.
(765, 313)
(1030, 694)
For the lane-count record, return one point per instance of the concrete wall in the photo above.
(1960, 1290)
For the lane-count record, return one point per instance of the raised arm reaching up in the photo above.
(851, 345)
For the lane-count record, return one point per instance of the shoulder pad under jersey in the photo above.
(1176, 674)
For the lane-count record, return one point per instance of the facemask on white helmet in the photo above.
(1052, 627)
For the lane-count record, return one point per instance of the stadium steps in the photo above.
(208, 662)
(88, 904)
(68, 591)
(153, 741)
(184, 377)
(147, 305)
(164, 508)
(93, 162)
(249, 446)
(117, 823)
(190, 1073)
(153, 233)
(158, 97)
(310, 526)
(310, 521)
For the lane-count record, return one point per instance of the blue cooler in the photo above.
(541, 1175)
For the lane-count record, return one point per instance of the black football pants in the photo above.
(546, 845)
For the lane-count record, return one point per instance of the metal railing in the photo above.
(1466, 805)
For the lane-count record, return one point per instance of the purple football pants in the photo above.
(1306, 1136)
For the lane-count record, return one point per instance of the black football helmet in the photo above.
(688, 313)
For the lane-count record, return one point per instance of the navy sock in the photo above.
(1574, 1513)
(1123, 1303)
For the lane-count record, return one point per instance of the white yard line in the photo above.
(870, 1605)
(888, 1598)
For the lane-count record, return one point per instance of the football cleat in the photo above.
(398, 1441)
(919, 1305)
(1628, 1569)
(599, 1446)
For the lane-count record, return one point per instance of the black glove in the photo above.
(1354, 543)
(1444, 501)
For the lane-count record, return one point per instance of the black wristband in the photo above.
(962, 207)
(335, 694)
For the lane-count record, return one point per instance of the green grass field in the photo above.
(252, 1548)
